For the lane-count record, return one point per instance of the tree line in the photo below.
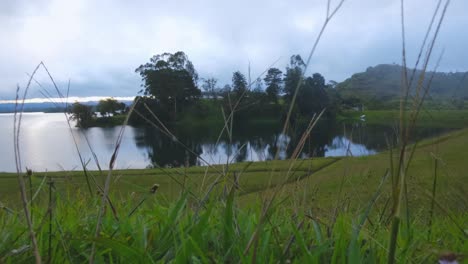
(85, 115)
(172, 90)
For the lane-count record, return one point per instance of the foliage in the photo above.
(218, 233)
(273, 81)
(209, 86)
(166, 75)
(110, 106)
(318, 218)
(382, 84)
(312, 98)
(293, 76)
(82, 114)
(171, 80)
(239, 83)
(142, 115)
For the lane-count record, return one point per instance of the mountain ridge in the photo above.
(383, 82)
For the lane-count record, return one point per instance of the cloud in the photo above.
(98, 44)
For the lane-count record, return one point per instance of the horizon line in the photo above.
(70, 99)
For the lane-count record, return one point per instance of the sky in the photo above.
(97, 45)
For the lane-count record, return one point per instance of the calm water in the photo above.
(46, 143)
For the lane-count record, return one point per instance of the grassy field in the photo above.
(252, 177)
(326, 210)
(355, 179)
(427, 118)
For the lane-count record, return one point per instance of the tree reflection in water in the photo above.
(261, 142)
(249, 143)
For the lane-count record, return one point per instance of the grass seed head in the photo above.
(154, 188)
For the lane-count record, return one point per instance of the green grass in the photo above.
(427, 118)
(253, 176)
(219, 233)
(358, 177)
(314, 218)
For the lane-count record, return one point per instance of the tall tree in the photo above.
(226, 89)
(258, 85)
(239, 84)
(313, 97)
(171, 79)
(293, 76)
(82, 114)
(209, 86)
(273, 81)
(332, 84)
(109, 106)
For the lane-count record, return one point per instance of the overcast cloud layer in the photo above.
(98, 44)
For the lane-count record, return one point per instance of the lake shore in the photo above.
(331, 192)
(255, 174)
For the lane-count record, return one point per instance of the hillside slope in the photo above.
(383, 83)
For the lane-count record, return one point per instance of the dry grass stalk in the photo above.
(108, 178)
(22, 185)
(269, 202)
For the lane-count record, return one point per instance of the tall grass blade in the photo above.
(108, 178)
(22, 185)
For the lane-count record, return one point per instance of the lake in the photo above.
(47, 143)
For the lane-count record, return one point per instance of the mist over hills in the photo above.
(383, 83)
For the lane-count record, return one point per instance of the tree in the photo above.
(312, 96)
(332, 84)
(209, 86)
(82, 114)
(293, 76)
(257, 96)
(239, 84)
(258, 86)
(226, 89)
(171, 80)
(273, 82)
(109, 106)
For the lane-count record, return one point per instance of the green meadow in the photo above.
(426, 118)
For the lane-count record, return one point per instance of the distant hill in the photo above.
(31, 107)
(383, 83)
(47, 107)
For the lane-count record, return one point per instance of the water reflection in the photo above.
(47, 143)
(201, 145)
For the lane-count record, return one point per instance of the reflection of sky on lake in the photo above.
(221, 153)
(225, 152)
(342, 146)
(46, 143)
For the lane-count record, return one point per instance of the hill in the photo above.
(32, 107)
(382, 84)
(47, 107)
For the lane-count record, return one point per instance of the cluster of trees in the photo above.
(170, 79)
(82, 114)
(85, 115)
(171, 90)
(110, 106)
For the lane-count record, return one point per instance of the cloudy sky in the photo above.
(98, 44)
